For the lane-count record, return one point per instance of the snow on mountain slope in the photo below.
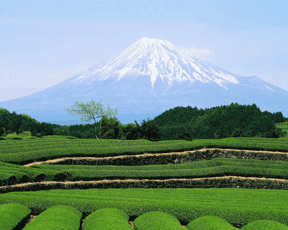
(158, 59)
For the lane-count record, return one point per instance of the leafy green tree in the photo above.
(23, 127)
(185, 135)
(148, 130)
(79, 130)
(278, 117)
(168, 132)
(130, 131)
(232, 120)
(238, 133)
(5, 125)
(275, 133)
(178, 116)
(89, 110)
(110, 128)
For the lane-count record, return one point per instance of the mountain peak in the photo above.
(157, 59)
(152, 41)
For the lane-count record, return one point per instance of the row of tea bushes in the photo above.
(24, 154)
(15, 174)
(169, 158)
(237, 206)
(27, 152)
(214, 162)
(57, 217)
(107, 218)
(210, 182)
(14, 216)
(215, 223)
(213, 167)
(157, 220)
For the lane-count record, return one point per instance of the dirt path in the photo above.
(136, 180)
(58, 160)
(140, 180)
(32, 217)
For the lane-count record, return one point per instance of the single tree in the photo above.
(89, 110)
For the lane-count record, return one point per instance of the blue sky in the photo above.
(43, 43)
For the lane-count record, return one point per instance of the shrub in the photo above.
(26, 133)
(130, 131)
(238, 133)
(38, 135)
(123, 138)
(2, 131)
(276, 133)
(61, 131)
(184, 136)
(148, 130)
(110, 128)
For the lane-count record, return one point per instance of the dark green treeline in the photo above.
(188, 123)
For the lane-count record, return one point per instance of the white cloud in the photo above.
(194, 52)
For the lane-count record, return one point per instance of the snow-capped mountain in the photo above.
(149, 77)
(156, 58)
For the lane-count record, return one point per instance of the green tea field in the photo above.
(62, 182)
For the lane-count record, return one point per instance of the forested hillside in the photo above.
(219, 122)
(188, 123)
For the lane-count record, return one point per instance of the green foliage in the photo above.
(184, 136)
(155, 220)
(27, 116)
(140, 203)
(30, 137)
(178, 115)
(210, 222)
(265, 225)
(12, 214)
(83, 131)
(61, 131)
(110, 128)
(232, 120)
(179, 123)
(2, 110)
(275, 133)
(218, 122)
(57, 217)
(89, 110)
(38, 135)
(278, 117)
(130, 131)
(176, 132)
(108, 218)
(148, 130)
(238, 133)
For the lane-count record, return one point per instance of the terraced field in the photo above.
(232, 183)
